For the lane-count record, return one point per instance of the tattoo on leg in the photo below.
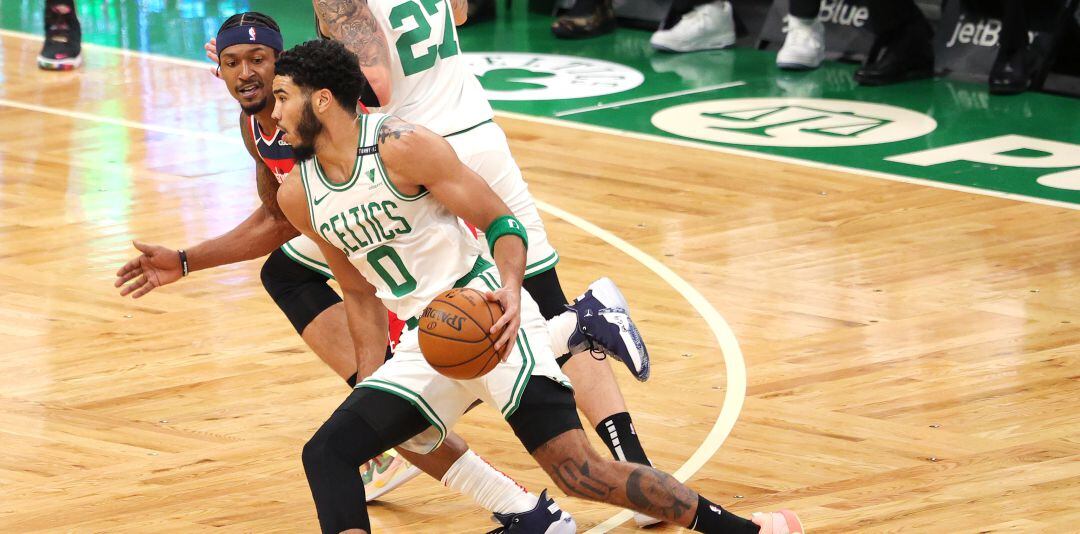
(577, 479)
(659, 493)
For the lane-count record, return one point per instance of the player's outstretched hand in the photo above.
(507, 325)
(155, 267)
(211, 54)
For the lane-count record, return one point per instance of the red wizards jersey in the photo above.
(278, 156)
(273, 150)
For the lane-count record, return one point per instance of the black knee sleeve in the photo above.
(366, 424)
(547, 410)
(331, 460)
(546, 290)
(301, 293)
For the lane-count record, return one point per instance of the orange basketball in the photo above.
(454, 334)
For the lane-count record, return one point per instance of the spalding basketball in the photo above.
(454, 334)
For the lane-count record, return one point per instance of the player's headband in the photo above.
(245, 34)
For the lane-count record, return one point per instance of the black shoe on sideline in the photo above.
(1011, 73)
(906, 54)
(588, 18)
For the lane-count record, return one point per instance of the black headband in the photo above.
(247, 34)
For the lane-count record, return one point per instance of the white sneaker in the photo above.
(804, 47)
(708, 27)
(386, 472)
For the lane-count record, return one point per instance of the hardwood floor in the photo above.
(911, 353)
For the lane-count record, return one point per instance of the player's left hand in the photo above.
(212, 55)
(155, 267)
(507, 325)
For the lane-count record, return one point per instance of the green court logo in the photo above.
(793, 122)
(523, 76)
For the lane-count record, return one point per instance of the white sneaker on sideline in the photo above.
(804, 47)
(707, 27)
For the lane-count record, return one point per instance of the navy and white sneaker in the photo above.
(546, 518)
(604, 325)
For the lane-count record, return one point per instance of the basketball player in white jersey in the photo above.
(250, 44)
(411, 54)
(407, 186)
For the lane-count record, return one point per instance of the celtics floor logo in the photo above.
(524, 76)
(793, 122)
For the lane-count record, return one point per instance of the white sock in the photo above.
(471, 475)
(560, 328)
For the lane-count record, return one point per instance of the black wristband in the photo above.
(183, 262)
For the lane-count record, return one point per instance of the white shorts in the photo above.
(483, 149)
(442, 400)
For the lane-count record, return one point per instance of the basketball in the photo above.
(454, 334)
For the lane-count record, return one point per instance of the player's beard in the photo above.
(256, 107)
(306, 131)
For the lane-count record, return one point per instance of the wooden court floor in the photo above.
(911, 355)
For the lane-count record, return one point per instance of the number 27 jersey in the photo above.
(432, 85)
(410, 247)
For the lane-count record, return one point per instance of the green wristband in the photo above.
(505, 225)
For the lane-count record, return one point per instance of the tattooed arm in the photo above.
(353, 24)
(461, 11)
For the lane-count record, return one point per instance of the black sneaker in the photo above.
(605, 327)
(63, 39)
(904, 55)
(1012, 71)
(588, 18)
(545, 518)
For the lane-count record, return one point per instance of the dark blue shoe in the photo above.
(604, 326)
(546, 518)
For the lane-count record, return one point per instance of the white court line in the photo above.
(654, 138)
(735, 391)
(212, 136)
(785, 159)
(729, 348)
(205, 65)
(661, 96)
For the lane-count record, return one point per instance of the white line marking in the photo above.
(784, 159)
(212, 136)
(735, 391)
(729, 348)
(205, 65)
(654, 138)
(649, 98)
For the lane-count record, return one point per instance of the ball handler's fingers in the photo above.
(507, 338)
(506, 326)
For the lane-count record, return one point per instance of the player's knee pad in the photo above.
(301, 293)
(546, 290)
(344, 439)
(546, 410)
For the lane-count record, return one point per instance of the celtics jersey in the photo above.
(432, 85)
(410, 247)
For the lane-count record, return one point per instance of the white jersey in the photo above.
(411, 248)
(432, 85)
